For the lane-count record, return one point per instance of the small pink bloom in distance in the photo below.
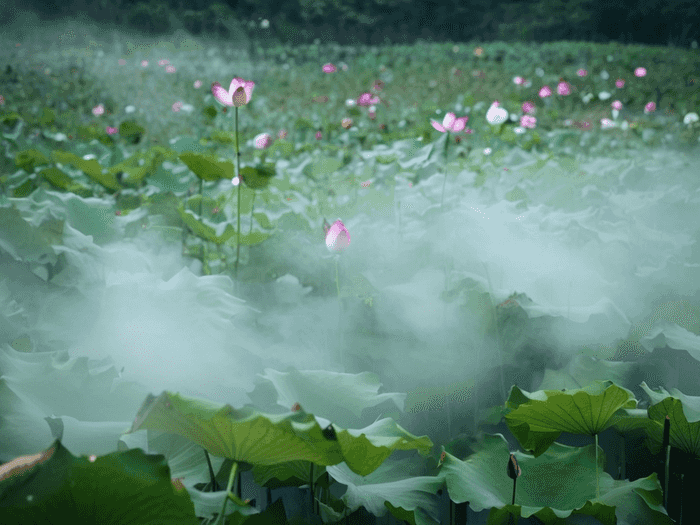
(121, 62)
(563, 88)
(144, 63)
(528, 121)
(518, 81)
(617, 105)
(111, 130)
(367, 99)
(98, 110)
(329, 68)
(582, 72)
(650, 107)
(163, 62)
(528, 107)
(450, 123)
(318, 135)
(640, 72)
(197, 84)
(263, 141)
(170, 69)
(177, 106)
(545, 92)
(619, 83)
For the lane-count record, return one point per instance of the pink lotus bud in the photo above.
(337, 236)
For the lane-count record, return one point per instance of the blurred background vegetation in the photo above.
(375, 22)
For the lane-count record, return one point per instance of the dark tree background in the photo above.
(651, 22)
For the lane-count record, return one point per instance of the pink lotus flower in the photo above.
(197, 84)
(450, 123)
(170, 69)
(650, 107)
(263, 141)
(528, 107)
(367, 99)
(329, 68)
(563, 88)
(617, 105)
(144, 63)
(619, 83)
(98, 110)
(337, 236)
(640, 72)
(545, 92)
(606, 123)
(528, 121)
(2, 100)
(239, 93)
(282, 134)
(111, 131)
(177, 106)
(518, 81)
(318, 135)
(582, 72)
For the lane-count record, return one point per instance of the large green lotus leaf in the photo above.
(583, 370)
(684, 415)
(325, 393)
(90, 167)
(207, 167)
(219, 235)
(558, 483)
(129, 488)
(537, 422)
(270, 439)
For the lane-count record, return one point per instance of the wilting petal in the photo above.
(437, 126)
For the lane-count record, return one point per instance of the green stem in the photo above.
(238, 207)
(442, 199)
(597, 477)
(252, 207)
(231, 477)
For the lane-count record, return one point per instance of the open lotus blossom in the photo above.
(606, 123)
(545, 91)
(690, 118)
(337, 236)
(450, 123)
(495, 114)
(239, 93)
(640, 72)
(650, 107)
(528, 121)
(263, 141)
(329, 68)
(367, 99)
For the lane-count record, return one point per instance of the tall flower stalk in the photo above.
(239, 94)
(449, 124)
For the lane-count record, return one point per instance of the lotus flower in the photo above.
(337, 236)
(239, 93)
